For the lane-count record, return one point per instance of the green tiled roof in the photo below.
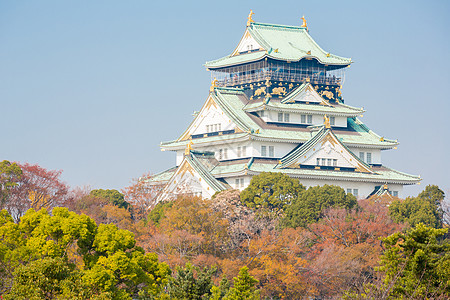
(338, 109)
(291, 157)
(380, 175)
(163, 176)
(292, 43)
(300, 151)
(232, 101)
(204, 168)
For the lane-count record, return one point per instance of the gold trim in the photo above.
(304, 25)
(249, 18)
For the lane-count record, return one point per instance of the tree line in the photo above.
(274, 240)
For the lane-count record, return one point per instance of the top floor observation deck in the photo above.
(278, 55)
(272, 70)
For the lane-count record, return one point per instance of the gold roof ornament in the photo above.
(304, 25)
(385, 186)
(250, 19)
(188, 149)
(214, 84)
(326, 121)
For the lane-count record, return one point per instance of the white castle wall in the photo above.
(364, 188)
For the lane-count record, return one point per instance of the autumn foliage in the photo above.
(274, 241)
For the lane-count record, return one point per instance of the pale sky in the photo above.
(93, 87)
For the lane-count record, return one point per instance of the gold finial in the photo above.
(382, 139)
(213, 84)
(250, 19)
(304, 22)
(188, 149)
(328, 55)
(326, 121)
(385, 186)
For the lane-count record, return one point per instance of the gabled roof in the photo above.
(233, 102)
(305, 98)
(199, 166)
(305, 93)
(281, 42)
(323, 136)
(256, 166)
(380, 191)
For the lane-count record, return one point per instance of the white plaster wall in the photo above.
(214, 115)
(232, 182)
(248, 43)
(376, 154)
(180, 156)
(280, 149)
(364, 188)
(295, 118)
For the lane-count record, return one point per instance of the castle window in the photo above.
(355, 192)
(334, 162)
(318, 161)
(395, 193)
(237, 183)
(332, 121)
(361, 156)
(239, 152)
(207, 128)
(309, 119)
(263, 150)
(286, 117)
(329, 161)
(303, 119)
(242, 182)
(225, 154)
(369, 157)
(220, 154)
(244, 151)
(271, 151)
(280, 117)
(349, 191)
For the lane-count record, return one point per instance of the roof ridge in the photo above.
(205, 173)
(278, 25)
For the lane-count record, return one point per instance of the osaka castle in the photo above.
(275, 105)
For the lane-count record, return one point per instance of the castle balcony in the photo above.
(231, 80)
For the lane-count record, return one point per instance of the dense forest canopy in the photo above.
(274, 240)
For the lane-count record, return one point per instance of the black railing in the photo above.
(280, 76)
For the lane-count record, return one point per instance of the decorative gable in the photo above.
(186, 181)
(211, 118)
(247, 43)
(306, 94)
(324, 150)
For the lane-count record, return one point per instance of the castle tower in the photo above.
(275, 105)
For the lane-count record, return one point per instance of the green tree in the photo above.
(158, 212)
(425, 208)
(309, 206)
(244, 287)
(219, 292)
(10, 174)
(114, 197)
(416, 264)
(45, 278)
(273, 191)
(104, 261)
(191, 283)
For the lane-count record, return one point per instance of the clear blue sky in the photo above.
(92, 87)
